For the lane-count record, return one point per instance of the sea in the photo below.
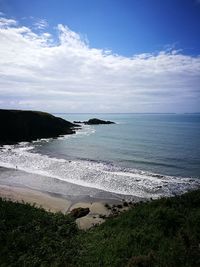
(141, 155)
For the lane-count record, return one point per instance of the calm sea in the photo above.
(147, 155)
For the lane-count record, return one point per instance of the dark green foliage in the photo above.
(20, 125)
(164, 233)
(160, 233)
(33, 237)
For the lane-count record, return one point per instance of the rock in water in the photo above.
(95, 121)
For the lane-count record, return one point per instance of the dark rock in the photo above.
(125, 204)
(107, 206)
(102, 216)
(79, 212)
(77, 122)
(19, 125)
(95, 122)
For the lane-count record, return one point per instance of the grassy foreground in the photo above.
(163, 232)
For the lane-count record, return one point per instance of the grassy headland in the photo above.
(163, 233)
(24, 125)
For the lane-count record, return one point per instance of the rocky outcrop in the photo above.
(19, 125)
(95, 121)
(79, 212)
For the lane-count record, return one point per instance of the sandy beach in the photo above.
(97, 213)
(39, 199)
(57, 196)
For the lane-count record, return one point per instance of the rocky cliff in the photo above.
(19, 125)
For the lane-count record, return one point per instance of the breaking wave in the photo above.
(99, 175)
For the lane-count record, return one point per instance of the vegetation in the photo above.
(33, 237)
(21, 125)
(163, 233)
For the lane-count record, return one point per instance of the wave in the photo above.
(99, 175)
(148, 162)
(85, 130)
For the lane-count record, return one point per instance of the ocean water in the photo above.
(143, 155)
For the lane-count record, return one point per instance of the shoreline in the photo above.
(98, 210)
(57, 196)
(34, 197)
(65, 175)
(59, 188)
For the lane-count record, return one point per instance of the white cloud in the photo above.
(4, 23)
(40, 24)
(70, 76)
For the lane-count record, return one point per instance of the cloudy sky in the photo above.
(100, 56)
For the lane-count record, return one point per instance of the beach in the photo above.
(19, 186)
(39, 199)
(140, 157)
(57, 204)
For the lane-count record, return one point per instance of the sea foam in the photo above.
(99, 175)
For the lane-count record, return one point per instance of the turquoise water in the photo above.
(142, 154)
(166, 144)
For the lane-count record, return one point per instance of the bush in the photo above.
(160, 233)
(33, 237)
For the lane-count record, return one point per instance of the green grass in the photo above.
(33, 237)
(164, 233)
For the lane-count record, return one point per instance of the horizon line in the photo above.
(198, 112)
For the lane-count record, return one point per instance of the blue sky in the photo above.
(126, 27)
(144, 52)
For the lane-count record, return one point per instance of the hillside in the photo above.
(19, 125)
(160, 233)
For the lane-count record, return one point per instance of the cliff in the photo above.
(19, 125)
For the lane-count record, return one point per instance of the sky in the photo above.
(100, 56)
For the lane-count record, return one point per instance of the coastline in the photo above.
(98, 211)
(39, 199)
(161, 224)
(19, 186)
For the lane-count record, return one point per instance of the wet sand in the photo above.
(53, 186)
(39, 199)
(58, 204)
(56, 196)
